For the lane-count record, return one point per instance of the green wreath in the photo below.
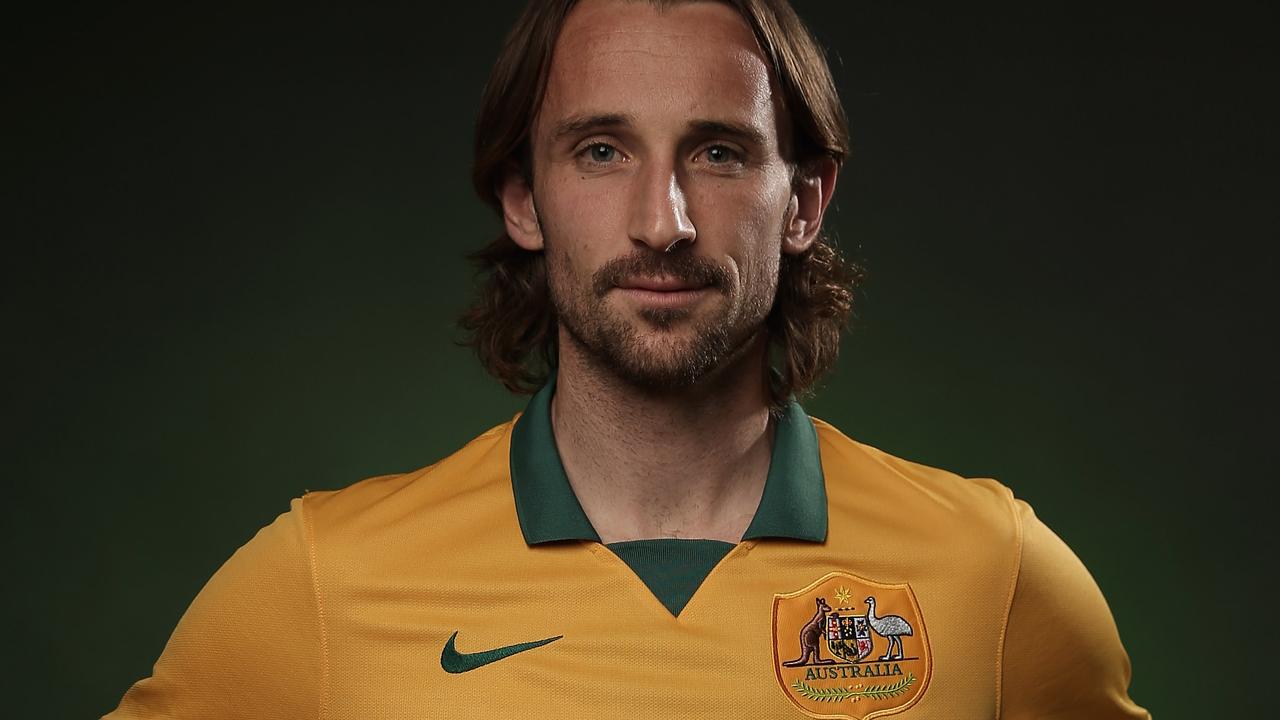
(835, 694)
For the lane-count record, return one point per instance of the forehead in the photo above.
(689, 60)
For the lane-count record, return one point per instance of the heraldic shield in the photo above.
(848, 647)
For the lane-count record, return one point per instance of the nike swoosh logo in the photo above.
(459, 662)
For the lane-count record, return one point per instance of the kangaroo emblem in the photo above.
(811, 637)
(841, 670)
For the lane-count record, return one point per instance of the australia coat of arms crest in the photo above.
(848, 647)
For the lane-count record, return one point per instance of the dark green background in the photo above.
(234, 256)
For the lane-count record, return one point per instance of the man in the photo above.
(663, 532)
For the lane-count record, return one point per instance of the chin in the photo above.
(667, 358)
(665, 318)
(655, 348)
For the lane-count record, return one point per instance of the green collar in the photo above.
(794, 504)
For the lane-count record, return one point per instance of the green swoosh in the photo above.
(459, 662)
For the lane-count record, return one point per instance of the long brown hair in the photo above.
(512, 325)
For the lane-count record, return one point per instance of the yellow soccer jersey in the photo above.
(866, 586)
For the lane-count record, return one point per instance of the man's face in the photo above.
(660, 189)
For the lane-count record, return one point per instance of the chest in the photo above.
(776, 630)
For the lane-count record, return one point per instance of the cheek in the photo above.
(569, 272)
(762, 282)
(744, 223)
(579, 219)
(590, 206)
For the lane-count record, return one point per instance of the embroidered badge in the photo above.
(847, 647)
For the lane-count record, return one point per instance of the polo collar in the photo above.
(794, 503)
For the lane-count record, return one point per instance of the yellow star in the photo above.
(842, 594)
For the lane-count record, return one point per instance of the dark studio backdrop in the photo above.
(236, 250)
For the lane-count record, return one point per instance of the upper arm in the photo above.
(250, 644)
(1062, 653)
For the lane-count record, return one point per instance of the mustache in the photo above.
(688, 268)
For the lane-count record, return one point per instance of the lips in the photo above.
(660, 284)
(662, 293)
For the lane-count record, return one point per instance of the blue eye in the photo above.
(602, 153)
(722, 155)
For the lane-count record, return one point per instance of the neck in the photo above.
(682, 464)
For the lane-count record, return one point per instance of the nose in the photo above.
(659, 210)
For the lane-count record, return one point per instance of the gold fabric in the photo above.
(341, 608)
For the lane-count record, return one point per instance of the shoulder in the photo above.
(381, 500)
(867, 477)
(973, 538)
(1058, 629)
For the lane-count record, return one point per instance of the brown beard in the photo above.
(614, 344)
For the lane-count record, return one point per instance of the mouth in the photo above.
(662, 290)
(660, 283)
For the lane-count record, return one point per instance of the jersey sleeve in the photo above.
(1062, 654)
(250, 644)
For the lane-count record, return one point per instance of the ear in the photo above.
(518, 212)
(810, 194)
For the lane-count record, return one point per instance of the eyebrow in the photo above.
(744, 133)
(578, 124)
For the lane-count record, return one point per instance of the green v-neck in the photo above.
(673, 569)
(793, 504)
